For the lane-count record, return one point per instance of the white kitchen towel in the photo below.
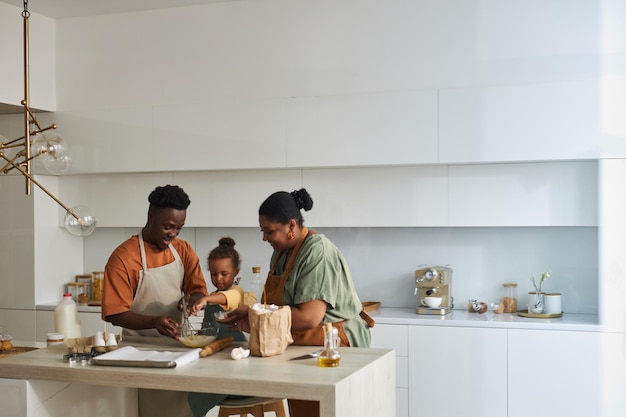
(131, 356)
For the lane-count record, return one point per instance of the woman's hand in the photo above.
(237, 319)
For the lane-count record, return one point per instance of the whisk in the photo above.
(186, 329)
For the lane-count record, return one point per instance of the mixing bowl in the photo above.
(197, 338)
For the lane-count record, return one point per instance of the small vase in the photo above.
(535, 303)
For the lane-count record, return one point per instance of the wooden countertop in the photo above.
(363, 384)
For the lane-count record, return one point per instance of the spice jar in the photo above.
(509, 298)
(97, 283)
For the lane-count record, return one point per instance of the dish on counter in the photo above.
(525, 313)
(370, 305)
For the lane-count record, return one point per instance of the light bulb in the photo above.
(51, 152)
(84, 225)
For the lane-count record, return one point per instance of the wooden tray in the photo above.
(525, 313)
(370, 305)
(15, 350)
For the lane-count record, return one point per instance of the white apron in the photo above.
(157, 294)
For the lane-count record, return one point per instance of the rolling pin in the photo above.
(216, 346)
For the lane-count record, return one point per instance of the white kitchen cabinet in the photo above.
(524, 194)
(110, 139)
(527, 122)
(220, 134)
(388, 128)
(232, 198)
(560, 373)
(378, 197)
(457, 371)
(218, 198)
(396, 337)
(119, 200)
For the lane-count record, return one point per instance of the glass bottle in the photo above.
(257, 284)
(329, 356)
(509, 298)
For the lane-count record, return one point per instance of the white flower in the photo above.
(544, 276)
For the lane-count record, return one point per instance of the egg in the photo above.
(239, 353)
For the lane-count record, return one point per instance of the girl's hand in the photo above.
(195, 309)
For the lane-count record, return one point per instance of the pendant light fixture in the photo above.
(44, 146)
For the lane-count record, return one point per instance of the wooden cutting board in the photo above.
(16, 350)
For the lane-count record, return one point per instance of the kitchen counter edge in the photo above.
(463, 318)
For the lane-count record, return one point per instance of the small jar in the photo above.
(54, 339)
(509, 298)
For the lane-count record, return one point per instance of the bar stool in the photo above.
(257, 406)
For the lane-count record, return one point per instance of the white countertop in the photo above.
(362, 373)
(463, 318)
(458, 318)
(84, 309)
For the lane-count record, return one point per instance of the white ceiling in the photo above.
(59, 9)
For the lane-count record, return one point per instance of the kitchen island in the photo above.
(363, 384)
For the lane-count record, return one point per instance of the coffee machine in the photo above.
(433, 281)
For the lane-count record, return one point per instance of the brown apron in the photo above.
(273, 294)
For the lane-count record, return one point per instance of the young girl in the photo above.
(224, 264)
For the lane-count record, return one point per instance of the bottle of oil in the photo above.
(329, 356)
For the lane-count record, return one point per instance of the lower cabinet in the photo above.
(457, 371)
(391, 336)
(497, 372)
(560, 373)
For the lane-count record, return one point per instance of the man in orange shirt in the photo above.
(144, 280)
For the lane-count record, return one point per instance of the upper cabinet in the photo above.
(381, 84)
(557, 121)
(531, 194)
(367, 129)
(42, 59)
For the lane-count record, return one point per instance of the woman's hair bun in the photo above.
(303, 199)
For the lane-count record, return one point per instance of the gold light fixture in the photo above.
(41, 145)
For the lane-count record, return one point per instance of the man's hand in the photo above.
(167, 326)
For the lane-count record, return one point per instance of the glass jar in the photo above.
(86, 279)
(79, 292)
(509, 298)
(97, 283)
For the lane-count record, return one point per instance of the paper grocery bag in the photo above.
(270, 331)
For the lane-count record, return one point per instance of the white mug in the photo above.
(432, 302)
(552, 303)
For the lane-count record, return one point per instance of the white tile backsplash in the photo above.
(383, 260)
